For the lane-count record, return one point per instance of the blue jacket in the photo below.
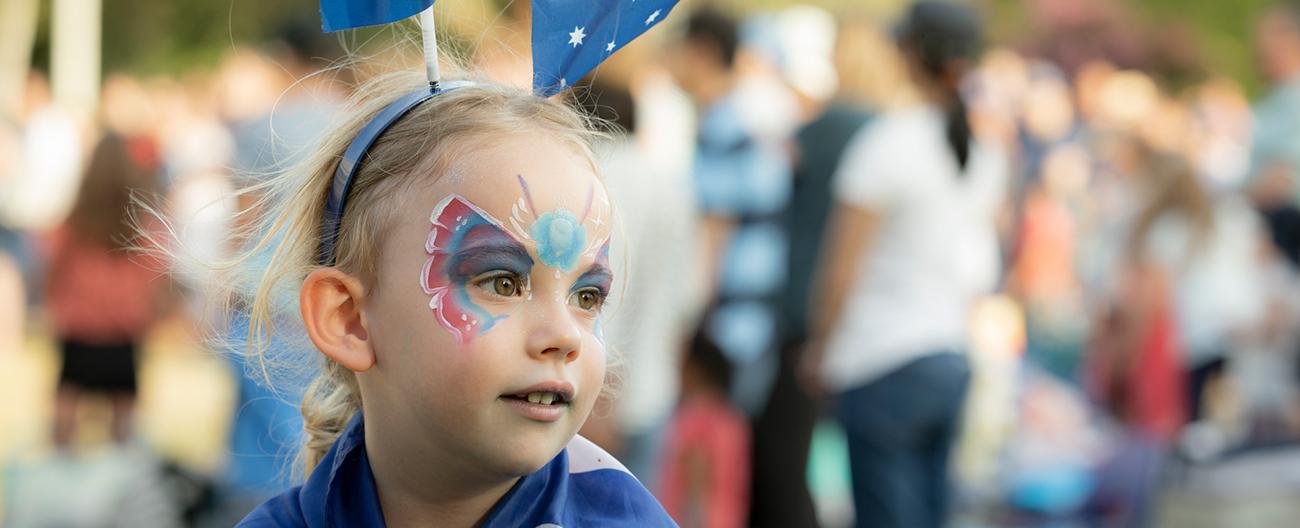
(582, 486)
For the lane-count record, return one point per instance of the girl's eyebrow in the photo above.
(496, 251)
(598, 274)
(509, 249)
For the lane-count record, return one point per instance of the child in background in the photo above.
(456, 301)
(705, 480)
(101, 298)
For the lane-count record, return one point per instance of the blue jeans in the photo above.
(900, 431)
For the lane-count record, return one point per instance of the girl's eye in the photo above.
(503, 285)
(588, 299)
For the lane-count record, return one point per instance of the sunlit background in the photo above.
(197, 92)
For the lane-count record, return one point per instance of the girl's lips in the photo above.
(537, 411)
(563, 389)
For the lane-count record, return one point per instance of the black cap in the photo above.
(938, 31)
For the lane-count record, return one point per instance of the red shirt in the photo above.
(705, 480)
(99, 295)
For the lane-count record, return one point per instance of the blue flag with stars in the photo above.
(337, 15)
(571, 37)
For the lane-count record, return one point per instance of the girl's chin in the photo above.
(525, 450)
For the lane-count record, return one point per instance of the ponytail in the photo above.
(957, 130)
(329, 404)
(941, 36)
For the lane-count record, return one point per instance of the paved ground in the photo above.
(1258, 489)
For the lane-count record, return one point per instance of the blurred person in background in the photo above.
(839, 77)
(1110, 102)
(41, 180)
(1275, 150)
(1055, 170)
(657, 212)
(101, 298)
(742, 185)
(912, 243)
(706, 459)
(1275, 154)
(1205, 247)
(1180, 292)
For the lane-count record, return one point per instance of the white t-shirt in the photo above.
(934, 251)
(1217, 281)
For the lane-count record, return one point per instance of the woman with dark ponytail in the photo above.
(940, 41)
(912, 245)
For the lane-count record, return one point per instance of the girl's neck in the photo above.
(431, 488)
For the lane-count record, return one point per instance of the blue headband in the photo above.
(346, 171)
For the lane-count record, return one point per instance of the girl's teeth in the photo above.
(543, 398)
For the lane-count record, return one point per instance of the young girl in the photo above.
(101, 298)
(458, 313)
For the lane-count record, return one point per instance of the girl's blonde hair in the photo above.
(285, 236)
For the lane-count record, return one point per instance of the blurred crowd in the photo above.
(874, 267)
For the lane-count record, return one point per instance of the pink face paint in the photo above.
(465, 242)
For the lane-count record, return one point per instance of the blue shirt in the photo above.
(741, 177)
(744, 178)
(582, 486)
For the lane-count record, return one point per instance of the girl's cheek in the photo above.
(597, 359)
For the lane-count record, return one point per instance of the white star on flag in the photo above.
(575, 38)
(572, 37)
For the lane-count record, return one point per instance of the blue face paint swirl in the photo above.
(491, 249)
(560, 238)
(600, 277)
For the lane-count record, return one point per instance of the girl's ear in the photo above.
(331, 312)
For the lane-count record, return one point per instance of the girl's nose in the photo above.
(555, 332)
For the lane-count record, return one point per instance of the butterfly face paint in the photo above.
(468, 248)
(464, 243)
